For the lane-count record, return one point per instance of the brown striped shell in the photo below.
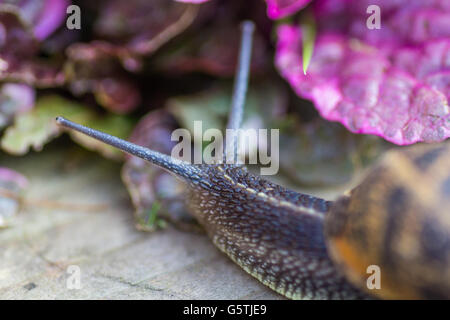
(398, 218)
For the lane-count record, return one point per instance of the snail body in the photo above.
(307, 248)
(273, 233)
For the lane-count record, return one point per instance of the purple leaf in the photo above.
(50, 17)
(99, 67)
(208, 52)
(14, 31)
(277, 9)
(44, 16)
(14, 99)
(387, 83)
(17, 50)
(143, 26)
(192, 1)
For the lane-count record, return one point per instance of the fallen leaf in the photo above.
(37, 127)
(158, 197)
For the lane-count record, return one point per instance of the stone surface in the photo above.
(77, 212)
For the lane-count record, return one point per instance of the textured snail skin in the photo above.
(273, 233)
(398, 218)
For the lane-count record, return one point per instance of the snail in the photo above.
(304, 247)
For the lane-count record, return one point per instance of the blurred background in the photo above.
(139, 69)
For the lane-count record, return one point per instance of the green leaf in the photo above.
(37, 127)
(308, 27)
(153, 213)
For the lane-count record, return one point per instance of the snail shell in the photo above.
(398, 219)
